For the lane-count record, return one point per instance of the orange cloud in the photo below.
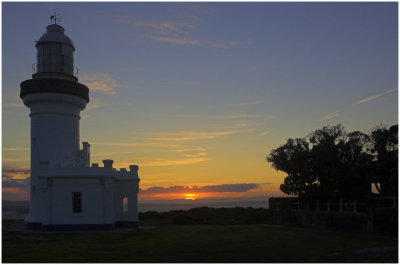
(13, 159)
(174, 32)
(266, 132)
(143, 144)
(177, 40)
(174, 162)
(15, 148)
(376, 96)
(102, 83)
(190, 135)
(330, 116)
(163, 27)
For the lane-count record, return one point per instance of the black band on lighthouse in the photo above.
(49, 85)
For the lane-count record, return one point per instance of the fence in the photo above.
(377, 215)
(334, 205)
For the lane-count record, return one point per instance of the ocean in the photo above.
(20, 209)
(182, 204)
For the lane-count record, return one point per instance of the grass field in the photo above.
(193, 244)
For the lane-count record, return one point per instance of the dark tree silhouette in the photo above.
(330, 162)
(294, 158)
(385, 147)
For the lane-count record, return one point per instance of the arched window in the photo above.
(125, 204)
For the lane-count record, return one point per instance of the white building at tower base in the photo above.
(104, 198)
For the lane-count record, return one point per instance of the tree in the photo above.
(356, 162)
(328, 163)
(294, 158)
(385, 148)
(326, 150)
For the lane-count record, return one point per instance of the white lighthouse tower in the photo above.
(66, 192)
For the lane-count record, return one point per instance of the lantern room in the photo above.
(55, 55)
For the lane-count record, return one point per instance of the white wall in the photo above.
(58, 209)
(54, 137)
(129, 189)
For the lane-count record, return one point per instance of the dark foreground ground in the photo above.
(193, 244)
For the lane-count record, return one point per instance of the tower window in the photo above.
(125, 204)
(76, 202)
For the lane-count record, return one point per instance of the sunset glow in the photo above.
(189, 196)
(198, 94)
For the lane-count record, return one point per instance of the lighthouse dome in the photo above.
(55, 33)
(55, 55)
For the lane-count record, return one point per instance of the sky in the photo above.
(198, 94)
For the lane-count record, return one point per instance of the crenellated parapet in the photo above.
(124, 173)
(94, 171)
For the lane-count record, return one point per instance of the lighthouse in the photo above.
(66, 191)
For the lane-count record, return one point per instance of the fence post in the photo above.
(317, 206)
(329, 208)
(354, 206)
(340, 206)
(298, 204)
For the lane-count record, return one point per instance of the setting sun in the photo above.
(190, 196)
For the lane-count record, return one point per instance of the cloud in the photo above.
(242, 187)
(228, 124)
(376, 96)
(239, 125)
(174, 162)
(10, 182)
(15, 148)
(266, 132)
(13, 177)
(233, 116)
(336, 113)
(173, 28)
(165, 162)
(102, 83)
(188, 149)
(17, 170)
(190, 135)
(229, 44)
(22, 159)
(142, 144)
(197, 155)
(174, 32)
(330, 116)
(96, 103)
(183, 159)
(177, 40)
